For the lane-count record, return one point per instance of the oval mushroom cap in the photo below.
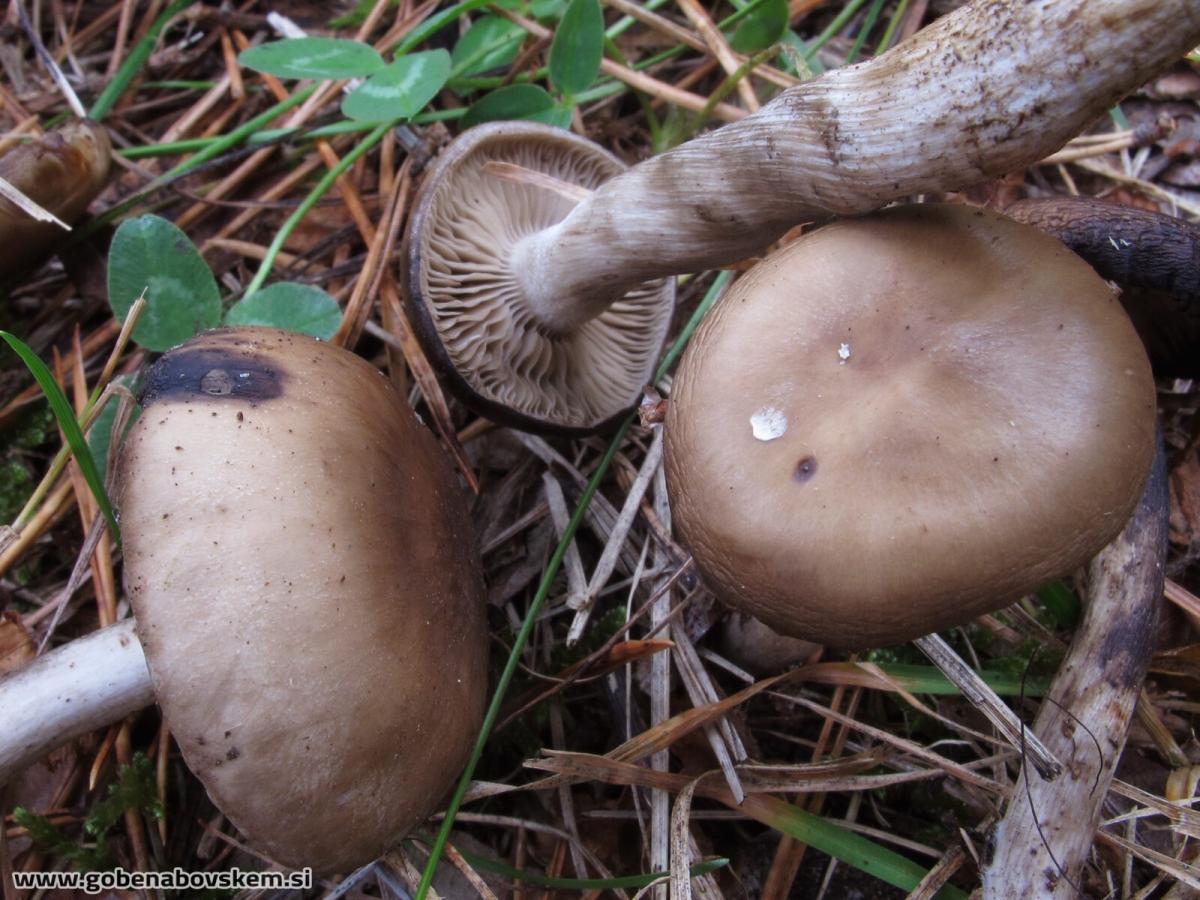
(902, 421)
(308, 589)
(495, 185)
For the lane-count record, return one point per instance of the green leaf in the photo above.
(517, 101)
(490, 43)
(762, 28)
(559, 116)
(578, 46)
(294, 307)
(65, 415)
(547, 9)
(401, 90)
(314, 57)
(150, 254)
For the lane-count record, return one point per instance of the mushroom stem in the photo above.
(988, 89)
(1044, 838)
(79, 687)
(1133, 246)
(1155, 258)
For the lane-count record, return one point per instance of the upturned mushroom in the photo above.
(530, 364)
(308, 596)
(993, 87)
(62, 172)
(902, 421)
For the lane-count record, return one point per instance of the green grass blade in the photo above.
(436, 23)
(543, 591)
(918, 679)
(211, 150)
(843, 844)
(134, 62)
(65, 415)
(326, 182)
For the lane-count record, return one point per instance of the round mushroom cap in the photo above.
(468, 307)
(900, 422)
(308, 590)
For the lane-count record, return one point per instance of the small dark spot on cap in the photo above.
(232, 753)
(805, 469)
(213, 372)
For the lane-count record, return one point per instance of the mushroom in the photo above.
(308, 595)
(62, 172)
(1155, 258)
(995, 86)
(534, 365)
(902, 421)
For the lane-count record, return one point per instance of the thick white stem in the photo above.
(989, 89)
(79, 687)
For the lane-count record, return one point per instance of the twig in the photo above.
(1047, 833)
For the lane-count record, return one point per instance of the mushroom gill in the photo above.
(468, 305)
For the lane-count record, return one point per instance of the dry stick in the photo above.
(635, 79)
(397, 332)
(118, 50)
(988, 702)
(720, 49)
(682, 35)
(1048, 831)
(724, 741)
(375, 268)
(91, 344)
(560, 515)
(845, 143)
(47, 515)
(233, 72)
(660, 696)
(251, 251)
(197, 111)
(616, 541)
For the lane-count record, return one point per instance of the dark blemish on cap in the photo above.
(232, 753)
(212, 374)
(805, 469)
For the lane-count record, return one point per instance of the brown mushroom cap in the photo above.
(512, 362)
(950, 408)
(308, 591)
(62, 172)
